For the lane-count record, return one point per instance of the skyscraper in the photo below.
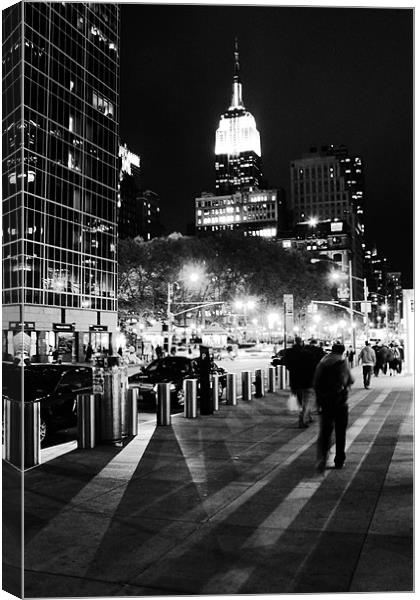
(238, 147)
(327, 185)
(138, 209)
(60, 174)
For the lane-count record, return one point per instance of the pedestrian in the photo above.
(395, 362)
(300, 364)
(88, 352)
(378, 358)
(159, 351)
(350, 356)
(316, 353)
(368, 359)
(120, 351)
(332, 381)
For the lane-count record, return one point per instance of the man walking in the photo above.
(367, 357)
(331, 382)
(299, 363)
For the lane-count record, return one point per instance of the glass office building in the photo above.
(60, 176)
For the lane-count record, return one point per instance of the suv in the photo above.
(56, 388)
(173, 370)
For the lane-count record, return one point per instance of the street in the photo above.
(226, 504)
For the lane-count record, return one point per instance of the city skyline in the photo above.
(311, 76)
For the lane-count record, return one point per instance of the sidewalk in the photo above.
(225, 504)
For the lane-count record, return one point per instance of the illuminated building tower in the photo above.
(238, 147)
(60, 176)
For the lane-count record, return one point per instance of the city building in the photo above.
(238, 147)
(385, 292)
(60, 177)
(328, 184)
(256, 213)
(138, 210)
(240, 202)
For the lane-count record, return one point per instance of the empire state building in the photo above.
(238, 147)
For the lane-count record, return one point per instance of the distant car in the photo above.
(173, 370)
(55, 386)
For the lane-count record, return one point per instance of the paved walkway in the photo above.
(224, 504)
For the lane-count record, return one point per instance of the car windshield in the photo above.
(37, 382)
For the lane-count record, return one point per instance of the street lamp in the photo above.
(245, 305)
(337, 275)
(188, 275)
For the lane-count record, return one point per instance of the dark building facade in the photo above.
(238, 148)
(60, 176)
(328, 184)
(138, 210)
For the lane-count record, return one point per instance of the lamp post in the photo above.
(351, 298)
(169, 313)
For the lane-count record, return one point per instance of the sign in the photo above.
(30, 325)
(365, 307)
(343, 291)
(98, 327)
(312, 308)
(21, 343)
(288, 303)
(288, 315)
(63, 327)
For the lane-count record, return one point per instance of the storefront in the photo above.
(98, 338)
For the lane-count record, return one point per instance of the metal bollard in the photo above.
(281, 376)
(15, 428)
(86, 434)
(246, 386)
(215, 391)
(132, 410)
(271, 379)
(231, 389)
(164, 404)
(190, 404)
(259, 383)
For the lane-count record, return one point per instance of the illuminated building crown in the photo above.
(237, 130)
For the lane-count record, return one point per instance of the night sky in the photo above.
(311, 77)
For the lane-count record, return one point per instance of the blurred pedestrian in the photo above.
(368, 359)
(332, 381)
(300, 364)
(395, 361)
(316, 353)
(350, 356)
(88, 352)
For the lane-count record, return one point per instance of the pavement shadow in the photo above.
(50, 487)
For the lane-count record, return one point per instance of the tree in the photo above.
(230, 266)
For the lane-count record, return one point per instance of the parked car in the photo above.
(278, 358)
(55, 386)
(173, 370)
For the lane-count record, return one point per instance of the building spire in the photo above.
(237, 84)
(236, 70)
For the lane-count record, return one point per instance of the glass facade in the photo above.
(60, 154)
